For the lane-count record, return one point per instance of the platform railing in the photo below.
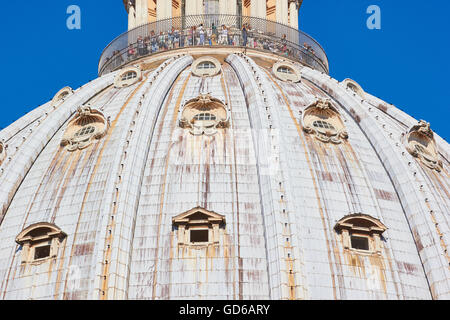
(213, 30)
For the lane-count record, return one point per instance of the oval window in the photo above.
(285, 70)
(324, 126)
(205, 117)
(206, 65)
(129, 75)
(84, 133)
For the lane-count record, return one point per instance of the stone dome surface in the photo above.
(152, 182)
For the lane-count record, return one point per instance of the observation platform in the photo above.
(214, 31)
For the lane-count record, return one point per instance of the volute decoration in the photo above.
(421, 145)
(322, 120)
(204, 115)
(88, 125)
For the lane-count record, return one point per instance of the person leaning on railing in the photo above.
(244, 35)
(201, 33)
(131, 52)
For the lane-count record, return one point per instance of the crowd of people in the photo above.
(223, 35)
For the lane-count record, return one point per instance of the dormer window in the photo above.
(322, 120)
(199, 236)
(361, 233)
(360, 243)
(42, 252)
(199, 228)
(40, 242)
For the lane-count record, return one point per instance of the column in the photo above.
(163, 9)
(194, 7)
(227, 7)
(141, 12)
(258, 9)
(131, 18)
(282, 11)
(293, 14)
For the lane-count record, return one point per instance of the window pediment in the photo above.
(198, 215)
(88, 125)
(322, 120)
(199, 228)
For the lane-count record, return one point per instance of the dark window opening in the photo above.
(199, 235)
(360, 243)
(41, 252)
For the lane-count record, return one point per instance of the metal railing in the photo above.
(213, 30)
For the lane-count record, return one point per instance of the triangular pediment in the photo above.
(198, 214)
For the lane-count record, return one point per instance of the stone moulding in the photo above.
(323, 110)
(86, 117)
(204, 103)
(3, 148)
(421, 145)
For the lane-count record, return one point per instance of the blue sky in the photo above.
(406, 63)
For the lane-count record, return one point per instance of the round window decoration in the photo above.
(85, 128)
(322, 120)
(204, 115)
(286, 71)
(128, 77)
(206, 67)
(354, 87)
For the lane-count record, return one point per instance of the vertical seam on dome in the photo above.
(313, 179)
(100, 157)
(161, 205)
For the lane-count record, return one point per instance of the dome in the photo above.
(222, 172)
